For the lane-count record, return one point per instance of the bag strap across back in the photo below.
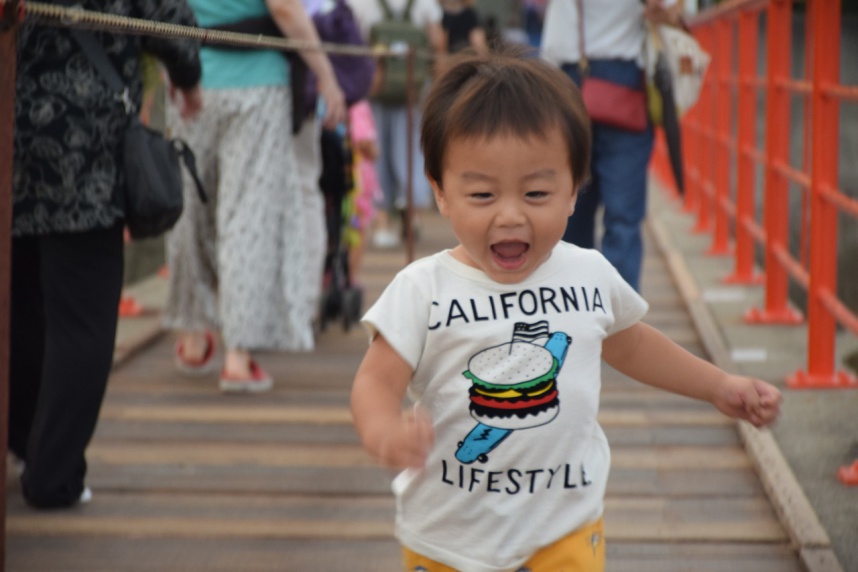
(388, 13)
(98, 58)
(583, 62)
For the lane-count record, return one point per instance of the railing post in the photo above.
(10, 15)
(690, 127)
(706, 139)
(848, 475)
(723, 32)
(778, 55)
(824, 160)
(743, 272)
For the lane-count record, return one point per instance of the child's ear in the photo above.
(572, 201)
(440, 198)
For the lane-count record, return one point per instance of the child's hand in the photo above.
(408, 442)
(189, 101)
(753, 400)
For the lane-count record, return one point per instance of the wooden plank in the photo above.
(616, 529)
(667, 531)
(210, 516)
(116, 554)
(700, 557)
(376, 480)
(229, 414)
(685, 435)
(223, 479)
(345, 455)
(64, 524)
(110, 430)
(671, 458)
(240, 504)
(683, 483)
(219, 453)
(299, 414)
(690, 519)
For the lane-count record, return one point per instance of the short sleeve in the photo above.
(401, 315)
(627, 305)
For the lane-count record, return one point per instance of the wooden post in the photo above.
(10, 13)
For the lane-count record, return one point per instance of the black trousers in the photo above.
(65, 300)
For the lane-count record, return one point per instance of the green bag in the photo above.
(398, 34)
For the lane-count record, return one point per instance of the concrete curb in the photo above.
(806, 533)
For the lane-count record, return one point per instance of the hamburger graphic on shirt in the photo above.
(513, 386)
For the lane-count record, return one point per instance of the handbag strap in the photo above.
(388, 13)
(583, 63)
(95, 52)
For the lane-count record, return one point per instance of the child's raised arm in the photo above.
(647, 355)
(399, 439)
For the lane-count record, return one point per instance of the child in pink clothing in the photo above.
(364, 150)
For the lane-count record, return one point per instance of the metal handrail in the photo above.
(727, 211)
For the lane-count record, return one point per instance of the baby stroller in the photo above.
(341, 300)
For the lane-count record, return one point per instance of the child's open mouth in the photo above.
(510, 255)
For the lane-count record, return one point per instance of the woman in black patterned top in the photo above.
(67, 247)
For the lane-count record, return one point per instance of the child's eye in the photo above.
(537, 194)
(481, 196)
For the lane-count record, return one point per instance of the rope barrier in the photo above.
(78, 18)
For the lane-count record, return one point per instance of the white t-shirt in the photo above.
(520, 460)
(613, 29)
(370, 12)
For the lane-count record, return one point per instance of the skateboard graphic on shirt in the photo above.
(514, 386)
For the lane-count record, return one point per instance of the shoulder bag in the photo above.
(153, 199)
(607, 102)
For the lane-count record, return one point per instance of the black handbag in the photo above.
(153, 199)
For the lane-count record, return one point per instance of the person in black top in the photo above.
(462, 26)
(67, 227)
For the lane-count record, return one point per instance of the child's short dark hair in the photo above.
(504, 93)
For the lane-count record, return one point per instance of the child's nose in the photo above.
(510, 214)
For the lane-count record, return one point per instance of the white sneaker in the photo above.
(18, 463)
(85, 496)
(385, 238)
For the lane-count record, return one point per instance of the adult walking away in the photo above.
(391, 117)
(237, 262)
(613, 37)
(67, 246)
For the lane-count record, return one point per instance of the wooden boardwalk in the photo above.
(186, 479)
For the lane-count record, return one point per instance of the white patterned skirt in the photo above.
(239, 262)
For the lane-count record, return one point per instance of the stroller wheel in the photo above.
(330, 309)
(352, 302)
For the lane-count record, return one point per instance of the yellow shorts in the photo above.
(581, 551)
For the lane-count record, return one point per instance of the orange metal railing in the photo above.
(721, 192)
